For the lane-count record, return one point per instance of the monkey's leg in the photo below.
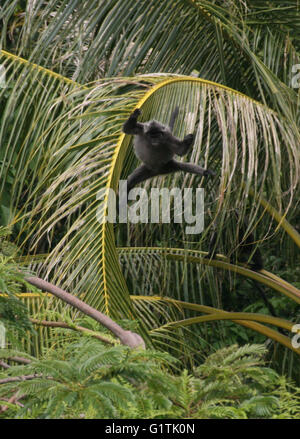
(143, 173)
(140, 174)
(191, 168)
(132, 126)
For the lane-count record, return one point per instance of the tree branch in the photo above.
(12, 400)
(128, 338)
(75, 328)
(20, 360)
(21, 378)
(4, 365)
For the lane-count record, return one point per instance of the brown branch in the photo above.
(128, 338)
(12, 400)
(4, 365)
(20, 360)
(75, 328)
(21, 378)
(16, 359)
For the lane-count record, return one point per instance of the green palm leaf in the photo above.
(64, 143)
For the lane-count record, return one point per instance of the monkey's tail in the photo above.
(173, 118)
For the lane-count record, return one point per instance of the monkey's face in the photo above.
(157, 134)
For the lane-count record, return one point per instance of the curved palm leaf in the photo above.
(70, 149)
(193, 256)
(244, 319)
(83, 163)
(238, 44)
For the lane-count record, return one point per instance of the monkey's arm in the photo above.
(181, 147)
(132, 126)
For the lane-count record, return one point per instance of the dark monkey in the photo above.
(246, 252)
(155, 146)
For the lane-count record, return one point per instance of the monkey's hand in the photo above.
(208, 172)
(137, 112)
(182, 147)
(188, 140)
(132, 126)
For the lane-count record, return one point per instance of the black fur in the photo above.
(155, 146)
(246, 252)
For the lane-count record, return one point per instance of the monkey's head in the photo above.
(157, 134)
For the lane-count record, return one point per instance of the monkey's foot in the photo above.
(208, 172)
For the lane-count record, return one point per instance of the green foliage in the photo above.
(90, 377)
(289, 400)
(89, 380)
(13, 313)
(59, 148)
